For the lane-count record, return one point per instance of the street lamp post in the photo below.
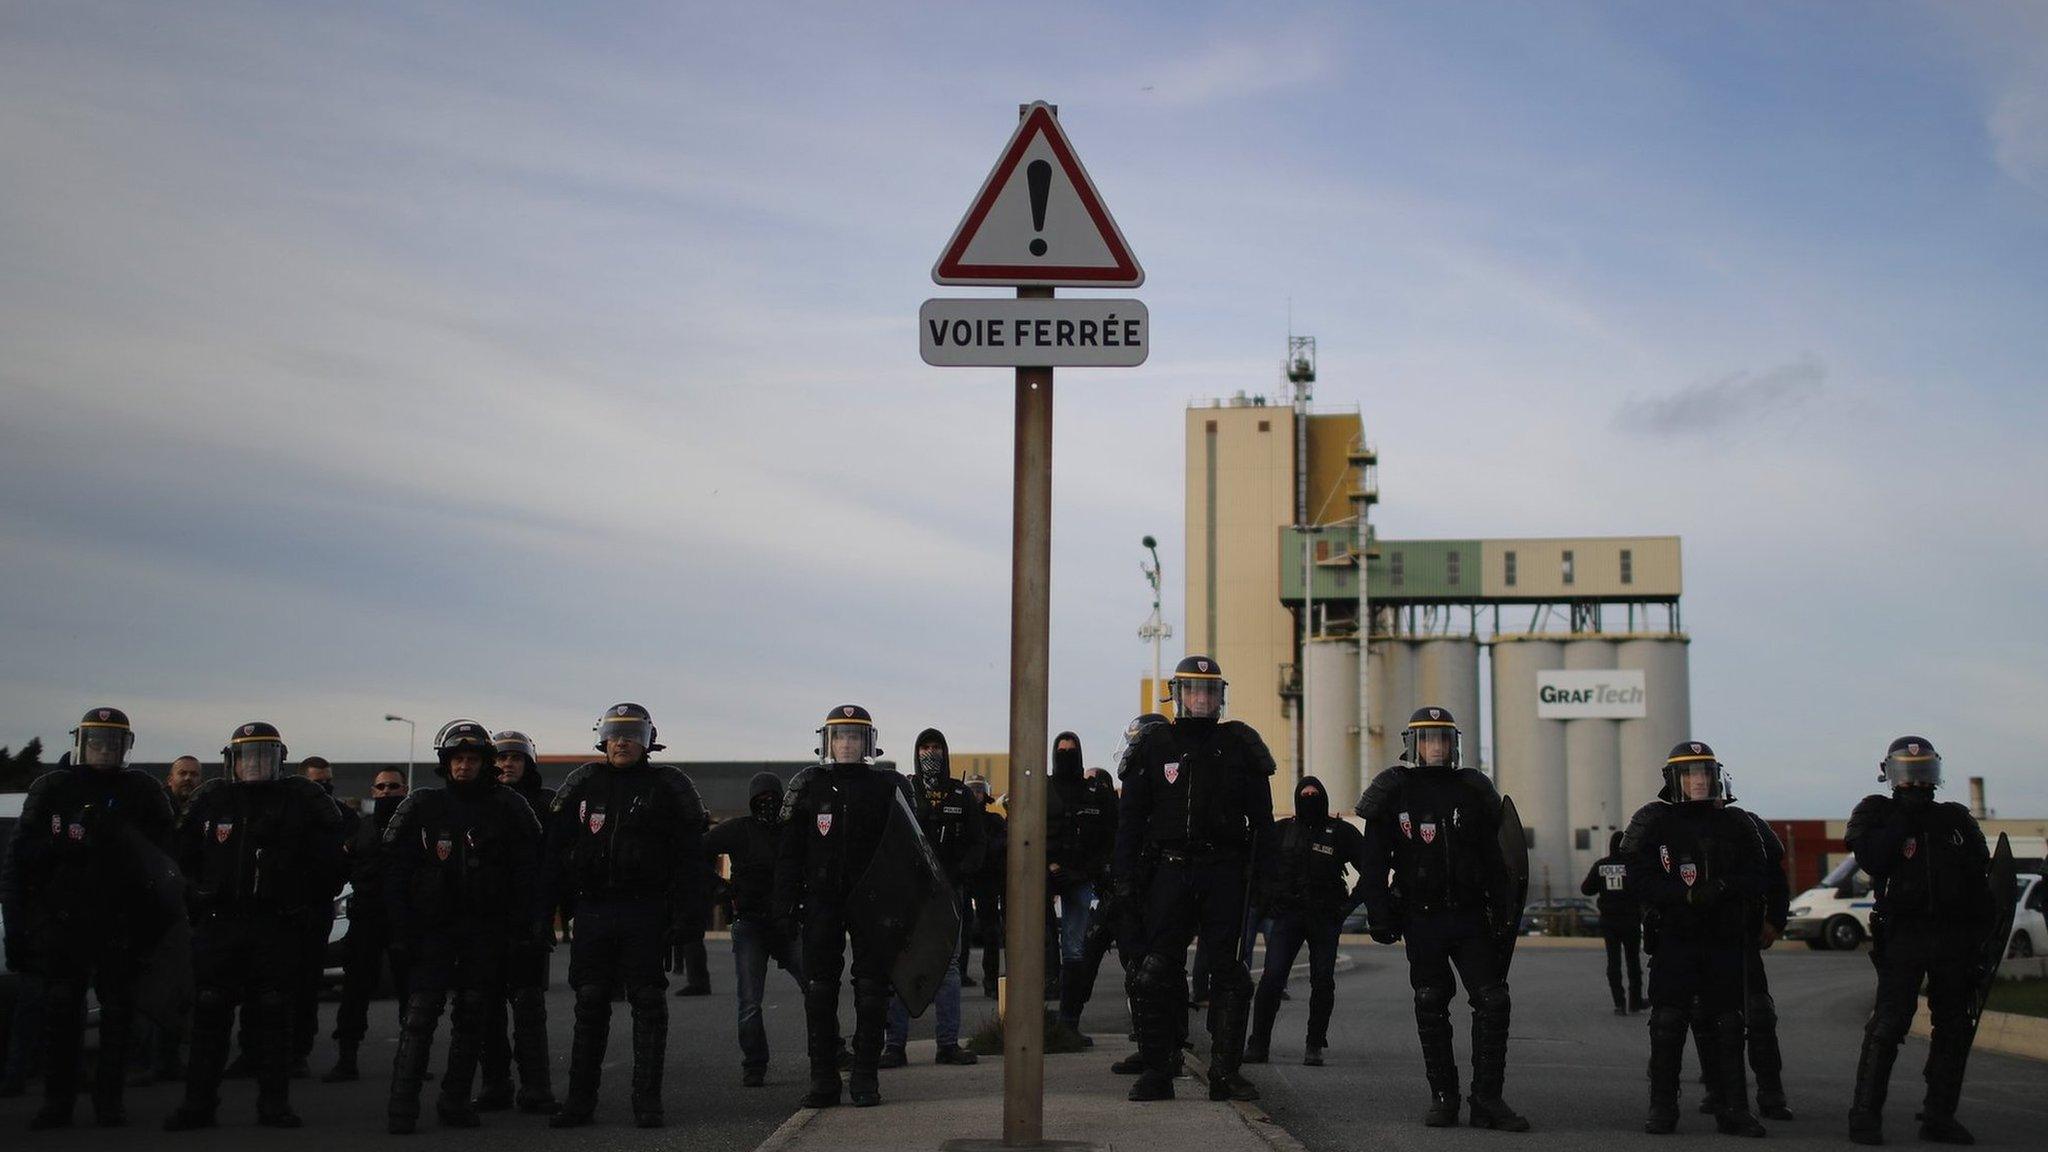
(412, 732)
(1155, 627)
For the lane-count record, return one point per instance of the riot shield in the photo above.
(163, 984)
(1514, 851)
(2004, 898)
(905, 897)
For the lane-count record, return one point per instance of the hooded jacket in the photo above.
(1080, 825)
(1304, 872)
(1608, 880)
(750, 842)
(948, 813)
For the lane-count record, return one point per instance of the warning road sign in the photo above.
(1038, 220)
(1091, 333)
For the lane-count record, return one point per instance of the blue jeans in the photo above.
(947, 1002)
(1285, 936)
(1077, 903)
(754, 943)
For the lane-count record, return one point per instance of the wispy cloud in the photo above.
(1737, 400)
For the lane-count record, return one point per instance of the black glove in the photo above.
(1706, 894)
(1385, 934)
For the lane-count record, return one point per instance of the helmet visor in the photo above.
(634, 728)
(255, 762)
(848, 743)
(102, 746)
(1431, 747)
(1198, 699)
(1904, 771)
(1698, 780)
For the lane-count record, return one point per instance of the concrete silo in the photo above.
(1529, 756)
(1332, 694)
(1447, 676)
(1667, 684)
(1392, 689)
(1592, 766)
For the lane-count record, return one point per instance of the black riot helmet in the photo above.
(1197, 687)
(630, 722)
(462, 736)
(102, 739)
(1134, 732)
(848, 718)
(1692, 758)
(1425, 721)
(1911, 762)
(254, 754)
(516, 744)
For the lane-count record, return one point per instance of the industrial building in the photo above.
(1577, 644)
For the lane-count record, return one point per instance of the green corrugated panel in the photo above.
(1425, 569)
(1336, 575)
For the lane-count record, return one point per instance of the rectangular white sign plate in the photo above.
(1600, 694)
(997, 333)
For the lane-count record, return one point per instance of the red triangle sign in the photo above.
(1038, 220)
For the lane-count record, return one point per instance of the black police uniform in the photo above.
(1438, 831)
(1077, 986)
(1080, 841)
(1196, 808)
(257, 855)
(751, 844)
(462, 885)
(1304, 895)
(1928, 864)
(520, 1035)
(833, 817)
(78, 916)
(626, 852)
(1621, 925)
(366, 950)
(1698, 869)
(1759, 1008)
(319, 927)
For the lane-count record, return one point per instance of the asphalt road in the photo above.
(1578, 1071)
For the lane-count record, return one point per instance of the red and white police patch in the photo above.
(442, 848)
(222, 831)
(76, 831)
(1911, 846)
(1690, 873)
(1664, 856)
(824, 823)
(1407, 827)
(596, 822)
(1429, 833)
(1172, 771)
(56, 825)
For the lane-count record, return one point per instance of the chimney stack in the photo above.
(1977, 797)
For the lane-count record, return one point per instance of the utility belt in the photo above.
(1194, 852)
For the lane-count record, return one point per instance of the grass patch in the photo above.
(1059, 1038)
(2025, 997)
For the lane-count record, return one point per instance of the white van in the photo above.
(1836, 913)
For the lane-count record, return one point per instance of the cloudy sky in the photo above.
(513, 360)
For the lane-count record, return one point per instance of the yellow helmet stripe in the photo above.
(1431, 724)
(104, 724)
(1690, 760)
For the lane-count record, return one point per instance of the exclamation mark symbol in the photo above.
(1039, 175)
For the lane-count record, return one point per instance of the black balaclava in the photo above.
(1066, 765)
(1614, 844)
(932, 776)
(764, 796)
(1311, 806)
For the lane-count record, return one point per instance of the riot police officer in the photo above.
(1698, 869)
(626, 850)
(1928, 867)
(1080, 840)
(1621, 925)
(1767, 923)
(526, 965)
(460, 880)
(77, 910)
(950, 818)
(1436, 825)
(834, 817)
(1305, 896)
(1195, 811)
(259, 849)
(367, 947)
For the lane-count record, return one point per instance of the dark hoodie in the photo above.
(1608, 880)
(751, 842)
(1304, 873)
(1080, 824)
(949, 814)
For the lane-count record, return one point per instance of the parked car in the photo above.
(1835, 914)
(1564, 916)
(2030, 919)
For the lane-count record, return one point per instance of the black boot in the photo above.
(1948, 1054)
(1709, 1050)
(1439, 1060)
(821, 1026)
(110, 1070)
(465, 1048)
(530, 1050)
(1668, 1028)
(870, 1020)
(650, 1050)
(494, 1072)
(1232, 990)
(344, 1069)
(1765, 1058)
(1158, 994)
(209, 1032)
(415, 1043)
(1734, 1118)
(586, 1056)
(272, 1061)
(1490, 1063)
(1873, 1083)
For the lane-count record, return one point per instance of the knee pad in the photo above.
(593, 998)
(1889, 1025)
(865, 988)
(647, 998)
(1231, 978)
(528, 998)
(473, 1004)
(1158, 977)
(1763, 1011)
(1492, 1000)
(821, 988)
(1667, 1020)
(1433, 1000)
